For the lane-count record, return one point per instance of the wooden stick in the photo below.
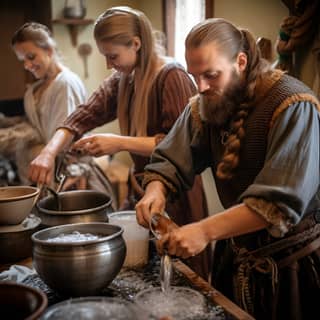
(217, 297)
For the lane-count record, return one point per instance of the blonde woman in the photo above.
(145, 92)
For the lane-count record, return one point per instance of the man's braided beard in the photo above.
(218, 113)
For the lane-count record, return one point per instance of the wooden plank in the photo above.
(217, 297)
(169, 16)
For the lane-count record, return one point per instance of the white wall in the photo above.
(261, 17)
(96, 65)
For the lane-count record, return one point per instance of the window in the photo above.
(179, 17)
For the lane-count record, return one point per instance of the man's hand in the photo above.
(152, 202)
(184, 242)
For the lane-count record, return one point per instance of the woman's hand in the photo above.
(98, 144)
(41, 169)
(184, 242)
(152, 202)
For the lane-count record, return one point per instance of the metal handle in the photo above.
(60, 177)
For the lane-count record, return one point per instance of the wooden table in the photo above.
(199, 283)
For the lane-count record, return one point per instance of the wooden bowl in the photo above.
(18, 301)
(16, 203)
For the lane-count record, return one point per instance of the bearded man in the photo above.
(258, 130)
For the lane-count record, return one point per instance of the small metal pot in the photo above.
(15, 241)
(79, 268)
(76, 206)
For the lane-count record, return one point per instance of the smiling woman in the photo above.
(47, 101)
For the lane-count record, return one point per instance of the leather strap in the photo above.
(305, 251)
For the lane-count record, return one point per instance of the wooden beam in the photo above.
(168, 14)
(209, 7)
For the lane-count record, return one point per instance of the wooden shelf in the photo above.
(73, 25)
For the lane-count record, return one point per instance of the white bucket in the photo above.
(135, 236)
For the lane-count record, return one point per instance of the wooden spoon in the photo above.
(84, 51)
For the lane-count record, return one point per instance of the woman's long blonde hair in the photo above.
(119, 25)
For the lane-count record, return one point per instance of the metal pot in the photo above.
(15, 241)
(94, 308)
(76, 206)
(79, 268)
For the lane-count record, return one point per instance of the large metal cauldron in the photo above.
(79, 268)
(75, 207)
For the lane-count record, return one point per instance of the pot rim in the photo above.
(121, 213)
(78, 243)
(130, 306)
(73, 212)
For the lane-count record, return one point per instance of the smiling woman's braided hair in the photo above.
(230, 41)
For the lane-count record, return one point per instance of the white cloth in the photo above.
(16, 273)
(60, 99)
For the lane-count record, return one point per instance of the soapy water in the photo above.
(169, 302)
(159, 224)
(75, 236)
(165, 273)
(129, 283)
(177, 302)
